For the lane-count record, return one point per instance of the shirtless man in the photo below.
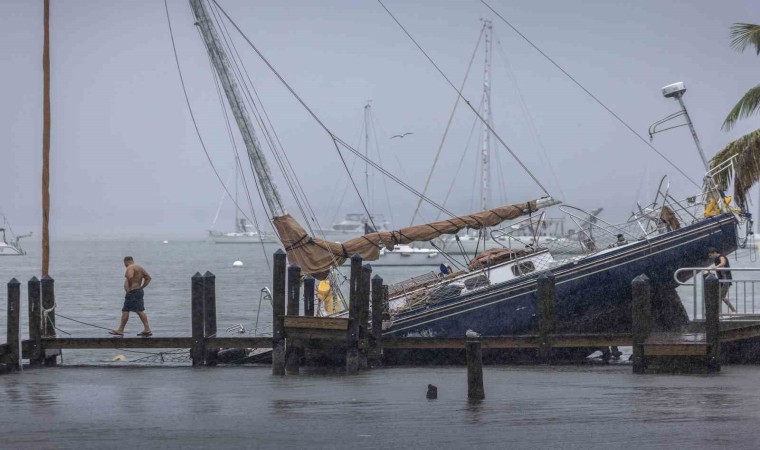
(135, 280)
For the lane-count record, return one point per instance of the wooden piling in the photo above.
(641, 321)
(352, 337)
(35, 322)
(13, 358)
(278, 311)
(364, 323)
(308, 296)
(375, 342)
(47, 288)
(209, 317)
(197, 351)
(475, 389)
(292, 351)
(712, 322)
(546, 322)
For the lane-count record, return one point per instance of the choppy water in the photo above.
(131, 405)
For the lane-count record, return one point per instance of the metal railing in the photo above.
(740, 292)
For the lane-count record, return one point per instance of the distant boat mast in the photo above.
(222, 65)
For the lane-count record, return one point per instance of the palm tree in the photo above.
(747, 148)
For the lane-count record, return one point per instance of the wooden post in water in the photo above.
(292, 350)
(642, 321)
(546, 326)
(308, 296)
(352, 337)
(35, 322)
(13, 360)
(364, 300)
(474, 356)
(278, 311)
(197, 319)
(209, 316)
(47, 287)
(375, 342)
(712, 322)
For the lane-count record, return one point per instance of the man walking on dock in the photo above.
(724, 276)
(136, 278)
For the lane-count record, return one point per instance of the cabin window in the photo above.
(522, 268)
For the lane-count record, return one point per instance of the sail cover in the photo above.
(316, 256)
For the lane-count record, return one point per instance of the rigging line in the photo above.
(345, 185)
(247, 98)
(190, 108)
(221, 200)
(373, 119)
(309, 110)
(531, 120)
(619, 119)
(235, 151)
(57, 314)
(279, 153)
(448, 124)
(487, 125)
(461, 161)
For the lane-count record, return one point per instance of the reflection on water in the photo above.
(525, 407)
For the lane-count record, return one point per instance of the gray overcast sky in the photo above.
(126, 161)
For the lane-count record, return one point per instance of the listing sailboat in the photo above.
(496, 292)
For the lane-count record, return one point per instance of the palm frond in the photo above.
(749, 104)
(746, 167)
(744, 35)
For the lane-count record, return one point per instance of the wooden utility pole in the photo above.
(46, 142)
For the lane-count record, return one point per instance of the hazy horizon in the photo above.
(126, 161)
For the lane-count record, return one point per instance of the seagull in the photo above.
(472, 334)
(401, 135)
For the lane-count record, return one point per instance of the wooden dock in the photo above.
(357, 341)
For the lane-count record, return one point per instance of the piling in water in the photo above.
(712, 322)
(641, 321)
(13, 359)
(375, 342)
(35, 322)
(197, 351)
(352, 337)
(364, 301)
(308, 296)
(474, 356)
(209, 316)
(546, 327)
(47, 287)
(278, 311)
(292, 351)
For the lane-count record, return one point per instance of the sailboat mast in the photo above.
(366, 154)
(485, 149)
(46, 141)
(221, 64)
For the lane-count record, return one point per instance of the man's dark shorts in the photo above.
(133, 301)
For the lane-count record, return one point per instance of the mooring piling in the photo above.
(712, 322)
(474, 357)
(47, 286)
(196, 319)
(641, 317)
(375, 342)
(352, 338)
(292, 353)
(364, 322)
(546, 323)
(278, 312)
(209, 316)
(35, 322)
(308, 296)
(13, 359)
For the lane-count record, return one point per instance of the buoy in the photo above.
(119, 358)
(237, 263)
(166, 242)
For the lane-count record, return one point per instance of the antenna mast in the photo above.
(221, 63)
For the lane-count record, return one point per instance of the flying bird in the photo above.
(401, 135)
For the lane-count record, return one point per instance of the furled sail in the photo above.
(316, 256)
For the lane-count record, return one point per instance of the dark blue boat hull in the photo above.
(592, 295)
